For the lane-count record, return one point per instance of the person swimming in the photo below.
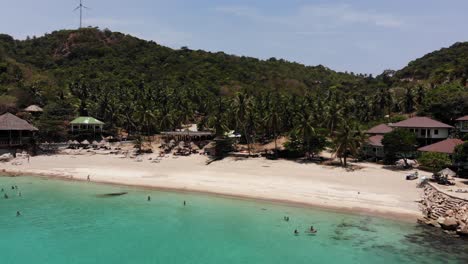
(18, 213)
(185, 203)
(5, 196)
(286, 218)
(296, 232)
(312, 230)
(19, 194)
(149, 198)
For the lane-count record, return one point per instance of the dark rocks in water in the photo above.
(107, 195)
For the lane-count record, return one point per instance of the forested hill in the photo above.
(144, 87)
(440, 66)
(92, 55)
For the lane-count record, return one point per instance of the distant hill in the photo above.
(63, 56)
(440, 66)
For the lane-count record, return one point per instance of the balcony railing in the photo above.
(14, 141)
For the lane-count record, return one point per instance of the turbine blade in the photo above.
(87, 7)
(76, 8)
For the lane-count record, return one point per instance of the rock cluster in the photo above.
(444, 211)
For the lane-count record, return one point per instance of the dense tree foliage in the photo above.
(145, 88)
(434, 161)
(399, 144)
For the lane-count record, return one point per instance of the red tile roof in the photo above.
(421, 121)
(380, 129)
(447, 146)
(375, 141)
(11, 122)
(465, 118)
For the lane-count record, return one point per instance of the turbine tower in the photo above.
(80, 7)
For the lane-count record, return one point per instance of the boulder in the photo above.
(440, 220)
(449, 223)
(449, 213)
(463, 230)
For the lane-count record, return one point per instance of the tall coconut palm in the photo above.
(348, 140)
(241, 107)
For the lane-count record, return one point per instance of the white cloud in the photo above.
(310, 19)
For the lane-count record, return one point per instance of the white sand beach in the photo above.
(370, 190)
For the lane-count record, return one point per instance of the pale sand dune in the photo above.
(381, 191)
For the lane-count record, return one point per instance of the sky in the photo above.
(361, 36)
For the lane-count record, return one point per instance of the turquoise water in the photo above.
(68, 222)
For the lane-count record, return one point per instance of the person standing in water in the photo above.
(185, 203)
(89, 178)
(18, 213)
(149, 198)
(296, 232)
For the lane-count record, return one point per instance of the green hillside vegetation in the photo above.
(442, 66)
(145, 88)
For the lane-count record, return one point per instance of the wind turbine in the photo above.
(80, 7)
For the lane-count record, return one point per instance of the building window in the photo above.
(436, 131)
(423, 132)
(411, 130)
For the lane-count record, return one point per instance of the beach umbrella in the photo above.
(85, 142)
(69, 142)
(448, 172)
(95, 143)
(181, 144)
(75, 142)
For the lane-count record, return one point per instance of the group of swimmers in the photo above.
(5, 196)
(311, 230)
(13, 187)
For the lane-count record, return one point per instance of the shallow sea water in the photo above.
(69, 222)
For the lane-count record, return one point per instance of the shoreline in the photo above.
(384, 213)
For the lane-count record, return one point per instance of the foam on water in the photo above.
(68, 222)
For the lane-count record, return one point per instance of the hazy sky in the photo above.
(365, 36)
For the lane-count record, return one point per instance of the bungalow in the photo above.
(373, 147)
(14, 132)
(86, 124)
(462, 124)
(446, 146)
(426, 129)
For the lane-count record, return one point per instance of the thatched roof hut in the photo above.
(13, 123)
(33, 109)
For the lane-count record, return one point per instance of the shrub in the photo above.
(434, 161)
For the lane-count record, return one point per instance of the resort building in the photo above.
(427, 130)
(381, 129)
(446, 146)
(86, 124)
(15, 133)
(462, 124)
(373, 148)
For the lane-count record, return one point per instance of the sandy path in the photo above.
(370, 190)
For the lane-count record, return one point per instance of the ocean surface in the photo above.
(69, 222)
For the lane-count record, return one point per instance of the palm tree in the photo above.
(273, 119)
(348, 140)
(241, 108)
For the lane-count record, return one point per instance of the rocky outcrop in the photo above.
(445, 211)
